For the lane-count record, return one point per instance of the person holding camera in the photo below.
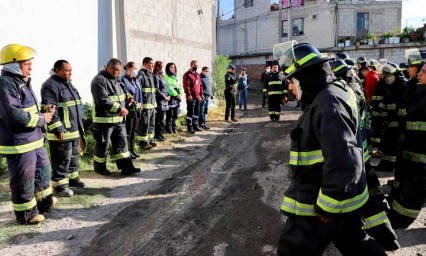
(230, 93)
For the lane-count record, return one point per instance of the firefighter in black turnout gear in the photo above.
(277, 92)
(65, 129)
(408, 193)
(109, 111)
(328, 188)
(388, 109)
(377, 224)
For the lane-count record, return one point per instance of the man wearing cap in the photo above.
(328, 188)
(243, 85)
(408, 193)
(22, 125)
(230, 93)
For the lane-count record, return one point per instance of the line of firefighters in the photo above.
(391, 106)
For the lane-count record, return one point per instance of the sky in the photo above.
(413, 11)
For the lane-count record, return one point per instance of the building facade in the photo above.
(89, 33)
(256, 26)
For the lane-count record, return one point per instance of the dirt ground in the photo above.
(217, 192)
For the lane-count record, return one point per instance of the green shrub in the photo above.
(219, 71)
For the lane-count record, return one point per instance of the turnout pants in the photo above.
(308, 236)
(64, 157)
(388, 145)
(264, 98)
(171, 117)
(193, 109)
(147, 125)
(230, 105)
(103, 133)
(30, 183)
(274, 106)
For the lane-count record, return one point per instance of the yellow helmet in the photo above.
(16, 53)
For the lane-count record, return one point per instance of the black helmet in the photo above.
(403, 66)
(350, 62)
(390, 69)
(338, 66)
(343, 56)
(294, 57)
(361, 60)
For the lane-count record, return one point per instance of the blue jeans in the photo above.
(243, 98)
(204, 109)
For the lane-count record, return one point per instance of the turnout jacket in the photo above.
(68, 117)
(326, 162)
(21, 121)
(274, 84)
(148, 87)
(109, 96)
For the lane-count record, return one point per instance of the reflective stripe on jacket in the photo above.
(326, 160)
(21, 123)
(68, 118)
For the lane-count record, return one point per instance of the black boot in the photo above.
(126, 166)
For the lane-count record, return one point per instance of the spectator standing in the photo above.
(265, 91)
(149, 89)
(243, 84)
(21, 141)
(135, 109)
(194, 96)
(230, 92)
(204, 109)
(65, 129)
(175, 91)
(162, 97)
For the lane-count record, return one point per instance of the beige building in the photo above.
(256, 26)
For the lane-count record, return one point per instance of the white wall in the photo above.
(56, 29)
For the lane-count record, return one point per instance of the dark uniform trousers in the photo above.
(388, 145)
(171, 117)
(30, 183)
(308, 236)
(274, 106)
(159, 122)
(230, 105)
(64, 158)
(147, 125)
(193, 110)
(131, 128)
(103, 133)
(264, 98)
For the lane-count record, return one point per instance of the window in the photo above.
(297, 27)
(361, 24)
(248, 3)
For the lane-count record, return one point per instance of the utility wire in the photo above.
(235, 9)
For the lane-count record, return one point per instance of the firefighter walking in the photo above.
(21, 141)
(328, 188)
(109, 111)
(65, 128)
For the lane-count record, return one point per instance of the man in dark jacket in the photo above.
(22, 124)
(204, 108)
(149, 89)
(277, 92)
(65, 129)
(193, 88)
(264, 90)
(328, 190)
(109, 111)
(230, 93)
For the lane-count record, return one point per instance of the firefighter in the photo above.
(149, 88)
(408, 193)
(361, 62)
(21, 127)
(65, 129)
(377, 224)
(277, 92)
(109, 111)
(343, 56)
(328, 188)
(388, 109)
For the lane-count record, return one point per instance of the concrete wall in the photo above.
(171, 31)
